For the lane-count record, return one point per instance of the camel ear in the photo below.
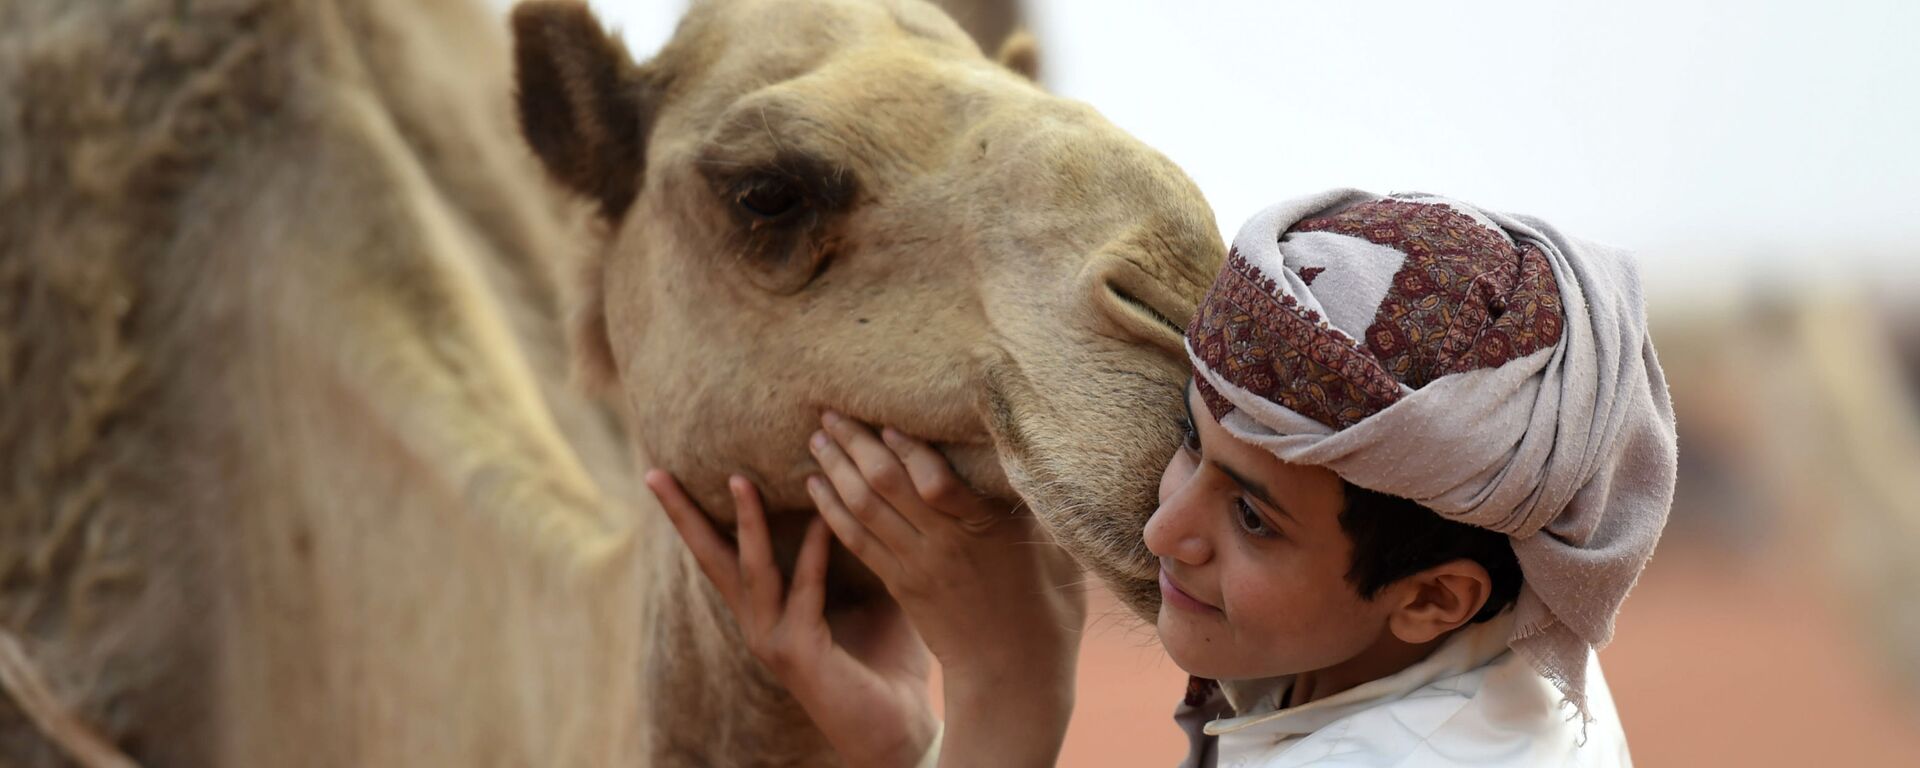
(583, 103)
(1021, 53)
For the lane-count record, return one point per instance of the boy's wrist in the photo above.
(1042, 667)
(1016, 661)
(987, 674)
(1005, 723)
(1028, 684)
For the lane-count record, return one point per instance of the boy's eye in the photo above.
(1190, 437)
(1250, 520)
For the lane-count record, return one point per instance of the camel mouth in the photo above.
(1093, 498)
(1141, 566)
(1144, 573)
(1117, 554)
(1141, 596)
(978, 463)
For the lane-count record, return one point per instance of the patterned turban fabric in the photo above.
(1483, 365)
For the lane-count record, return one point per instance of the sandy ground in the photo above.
(1718, 660)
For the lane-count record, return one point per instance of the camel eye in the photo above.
(769, 199)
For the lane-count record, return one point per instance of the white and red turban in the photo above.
(1483, 365)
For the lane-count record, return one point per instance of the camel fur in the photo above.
(295, 471)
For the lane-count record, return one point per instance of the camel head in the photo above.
(845, 205)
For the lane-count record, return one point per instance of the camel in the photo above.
(1844, 447)
(997, 25)
(297, 472)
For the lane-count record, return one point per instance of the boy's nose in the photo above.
(1174, 531)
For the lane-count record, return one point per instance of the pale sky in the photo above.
(1707, 134)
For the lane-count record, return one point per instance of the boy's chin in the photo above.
(1207, 651)
(1193, 650)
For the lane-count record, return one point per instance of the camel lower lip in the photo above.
(1172, 594)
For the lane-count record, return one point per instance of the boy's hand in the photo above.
(866, 693)
(990, 593)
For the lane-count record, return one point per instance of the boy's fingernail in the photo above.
(819, 441)
(829, 418)
(888, 434)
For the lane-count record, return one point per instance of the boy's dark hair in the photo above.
(1394, 538)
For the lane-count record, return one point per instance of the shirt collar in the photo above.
(1469, 648)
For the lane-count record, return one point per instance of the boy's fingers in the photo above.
(715, 556)
(758, 574)
(851, 533)
(808, 599)
(877, 463)
(875, 513)
(933, 476)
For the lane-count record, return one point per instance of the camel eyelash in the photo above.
(769, 200)
(822, 185)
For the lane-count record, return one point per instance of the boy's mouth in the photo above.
(1172, 594)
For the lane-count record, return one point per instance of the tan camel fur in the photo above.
(293, 474)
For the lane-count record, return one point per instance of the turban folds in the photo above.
(1483, 365)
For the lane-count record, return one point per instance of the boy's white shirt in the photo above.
(1472, 702)
(932, 757)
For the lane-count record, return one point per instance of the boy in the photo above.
(1430, 451)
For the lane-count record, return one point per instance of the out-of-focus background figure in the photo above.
(1758, 156)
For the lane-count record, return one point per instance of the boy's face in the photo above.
(1253, 562)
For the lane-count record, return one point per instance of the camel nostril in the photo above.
(1134, 302)
(1150, 323)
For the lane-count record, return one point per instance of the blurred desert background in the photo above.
(1759, 156)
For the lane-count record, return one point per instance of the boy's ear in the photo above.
(582, 101)
(1020, 52)
(1439, 600)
